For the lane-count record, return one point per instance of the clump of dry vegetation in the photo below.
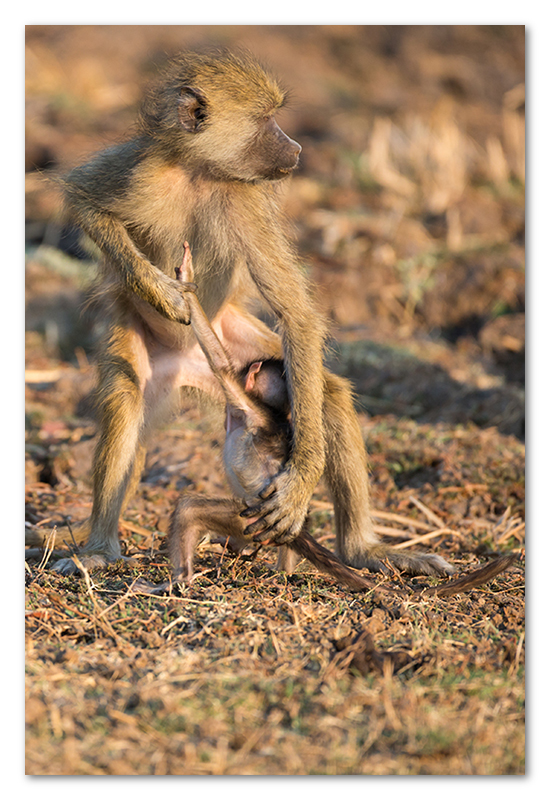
(409, 209)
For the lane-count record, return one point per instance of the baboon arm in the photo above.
(139, 276)
(277, 275)
(279, 278)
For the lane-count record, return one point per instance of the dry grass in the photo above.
(245, 682)
(430, 163)
(241, 674)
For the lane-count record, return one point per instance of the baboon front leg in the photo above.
(347, 475)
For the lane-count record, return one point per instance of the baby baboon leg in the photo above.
(185, 532)
(194, 517)
(287, 559)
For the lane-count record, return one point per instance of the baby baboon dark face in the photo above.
(257, 446)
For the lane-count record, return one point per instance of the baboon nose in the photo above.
(297, 149)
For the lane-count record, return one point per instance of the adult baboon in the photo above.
(204, 168)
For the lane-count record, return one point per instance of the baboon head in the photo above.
(217, 113)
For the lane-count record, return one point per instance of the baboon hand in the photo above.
(177, 302)
(282, 513)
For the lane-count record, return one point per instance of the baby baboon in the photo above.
(257, 445)
(204, 168)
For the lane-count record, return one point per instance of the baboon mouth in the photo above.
(287, 170)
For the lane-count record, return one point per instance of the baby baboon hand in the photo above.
(282, 513)
(184, 286)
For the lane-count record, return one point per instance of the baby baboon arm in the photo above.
(218, 359)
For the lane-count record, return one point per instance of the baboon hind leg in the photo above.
(347, 476)
(119, 453)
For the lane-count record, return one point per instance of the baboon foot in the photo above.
(376, 560)
(421, 563)
(90, 561)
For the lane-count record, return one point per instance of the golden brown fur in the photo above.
(205, 167)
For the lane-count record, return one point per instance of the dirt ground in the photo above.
(408, 209)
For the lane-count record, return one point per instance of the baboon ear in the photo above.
(250, 381)
(191, 109)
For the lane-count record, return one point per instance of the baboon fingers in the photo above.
(272, 534)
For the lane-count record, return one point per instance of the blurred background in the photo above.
(408, 205)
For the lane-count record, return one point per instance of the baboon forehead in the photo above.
(227, 74)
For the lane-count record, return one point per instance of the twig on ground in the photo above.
(49, 548)
(427, 512)
(426, 536)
